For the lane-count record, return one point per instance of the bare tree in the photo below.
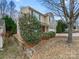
(11, 8)
(7, 8)
(3, 4)
(66, 9)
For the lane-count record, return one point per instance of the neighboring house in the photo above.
(47, 20)
(77, 23)
(2, 30)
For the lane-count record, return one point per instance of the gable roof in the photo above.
(46, 14)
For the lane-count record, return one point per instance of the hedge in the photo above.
(10, 25)
(30, 28)
(48, 35)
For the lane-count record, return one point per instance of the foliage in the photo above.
(52, 34)
(11, 26)
(61, 26)
(30, 28)
(48, 35)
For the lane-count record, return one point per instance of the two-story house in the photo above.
(47, 20)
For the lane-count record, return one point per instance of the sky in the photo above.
(33, 3)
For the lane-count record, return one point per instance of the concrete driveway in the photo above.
(66, 34)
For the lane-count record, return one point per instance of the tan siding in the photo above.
(44, 19)
(25, 10)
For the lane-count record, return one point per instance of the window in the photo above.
(37, 15)
(51, 19)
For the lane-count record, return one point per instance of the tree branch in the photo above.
(65, 12)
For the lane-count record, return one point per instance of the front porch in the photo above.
(44, 27)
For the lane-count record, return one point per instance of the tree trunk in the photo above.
(70, 27)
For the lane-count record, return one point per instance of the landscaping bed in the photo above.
(44, 38)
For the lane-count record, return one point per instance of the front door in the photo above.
(43, 28)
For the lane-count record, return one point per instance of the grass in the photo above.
(11, 50)
(55, 48)
(1, 55)
(58, 48)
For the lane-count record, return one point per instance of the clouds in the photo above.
(17, 0)
(78, 1)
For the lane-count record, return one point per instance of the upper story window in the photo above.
(36, 15)
(51, 19)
